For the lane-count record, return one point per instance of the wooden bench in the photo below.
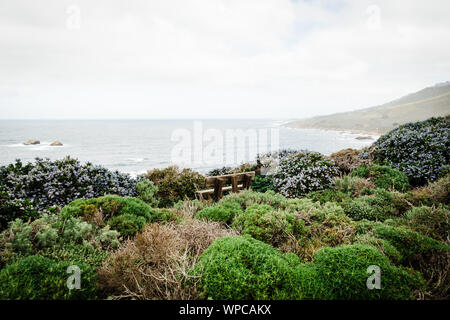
(236, 182)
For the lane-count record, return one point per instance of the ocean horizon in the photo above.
(135, 146)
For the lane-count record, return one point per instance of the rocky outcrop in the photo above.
(31, 142)
(364, 138)
(56, 144)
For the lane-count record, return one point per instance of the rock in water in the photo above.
(364, 138)
(31, 142)
(56, 144)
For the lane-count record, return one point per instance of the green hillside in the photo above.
(427, 103)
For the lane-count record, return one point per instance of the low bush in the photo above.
(383, 177)
(340, 273)
(224, 212)
(348, 160)
(354, 186)
(420, 150)
(46, 183)
(39, 278)
(188, 208)
(242, 268)
(262, 183)
(52, 236)
(247, 198)
(127, 224)
(381, 205)
(430, 221)
(11, 210)
(156, 264)
(164, 215)
(328, 195)
(360, 209)
(107, 206)
(264, 223)
(175, 184)
(301, 173)
(434, 193)
(147, 191)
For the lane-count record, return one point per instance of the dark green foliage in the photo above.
(147, 191)
(383, 177)
(219, 172)
(163, 215)
(434, 193)
(11, 210)
(360, 209)
(430, 221)
(127, 224)
(39, 278)
(354, 186)
(328, 195)
(175, 184)
(242, 268)
(262, 183)
(341, 273)
(68, 239)
(421, 150)
(264, 223)
(224, 212)
(108, 205)
(410, 244)
(247, 198)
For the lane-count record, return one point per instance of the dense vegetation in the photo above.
(315, 231)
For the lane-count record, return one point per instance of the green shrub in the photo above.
(147, 192)
(163, 214)
(354, 186)
(420, 150)
(360, 209)
(39, 278)
(264, 223)
(434, 193)
(328, 195)
(341, 273)
(109, 206)
(224, 212)
(262, 183)
(127, 224)
(52, 235)
(242, 268)
(409, 243)
(430, 221)
(247, 198)
(189, 208)
(383, 177)
(175, 184)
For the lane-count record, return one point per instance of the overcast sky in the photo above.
(216, 58)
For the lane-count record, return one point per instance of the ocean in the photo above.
(135, 146)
